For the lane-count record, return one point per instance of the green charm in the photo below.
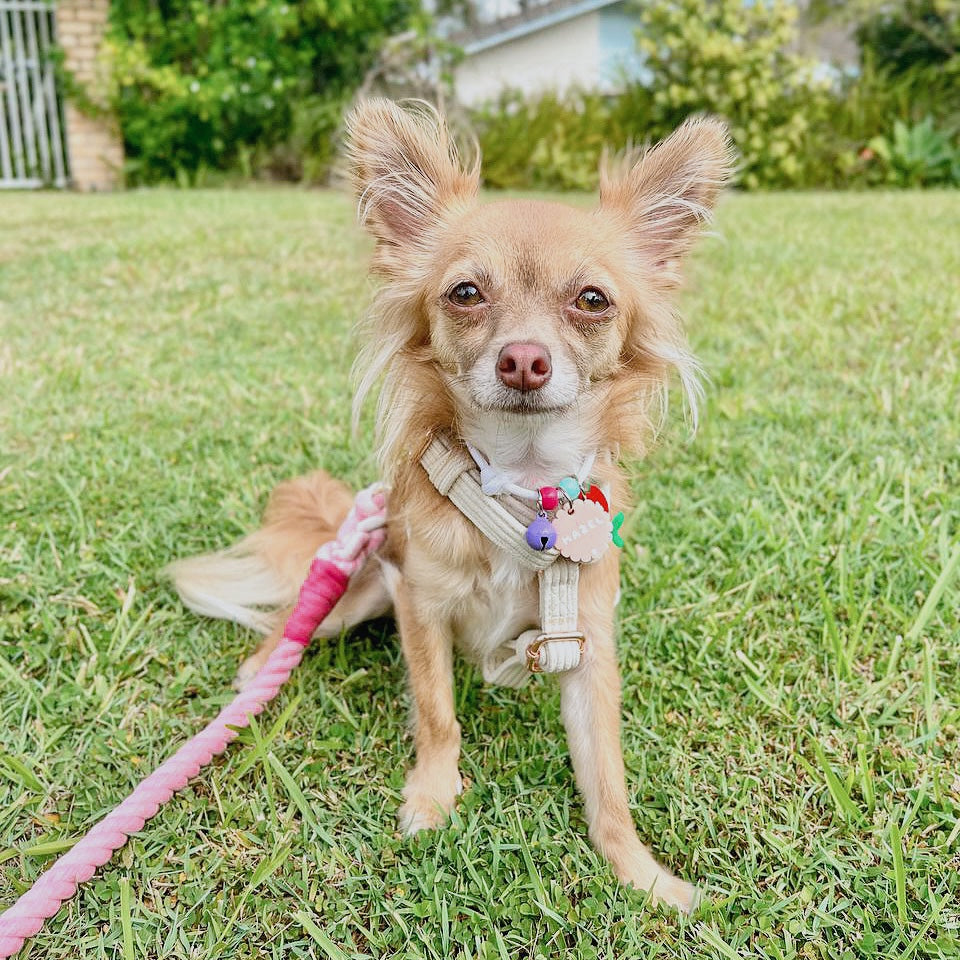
(617, 524)
(571, 487)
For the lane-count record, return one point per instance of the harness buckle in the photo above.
(533, 651)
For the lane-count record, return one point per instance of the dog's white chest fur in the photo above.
(496, 615)
(532, 449)
(485, 607)
(481, 611)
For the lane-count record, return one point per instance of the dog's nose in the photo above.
(524, 366)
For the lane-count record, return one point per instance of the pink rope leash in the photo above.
(360, 535)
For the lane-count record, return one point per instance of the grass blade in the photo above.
(330, 949)
(46, 848)
(126, 922)
(929, 687)
(263, 871)
(837, 790)
(293, 789)
(711, 936)
(866, 777)
(260, 744)
(20, 773)
(761, 694)
(936, 592)
(899, 873)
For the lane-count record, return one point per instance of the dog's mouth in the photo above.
(487, 396)
(524, 404)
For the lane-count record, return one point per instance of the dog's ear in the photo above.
(405, 170)
(667, 193)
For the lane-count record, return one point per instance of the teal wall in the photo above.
(618, 48)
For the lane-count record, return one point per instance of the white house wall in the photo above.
(559, 57)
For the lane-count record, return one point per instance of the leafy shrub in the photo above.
(914, 156)
(734, 59)
(795, 125)
(912, 35)
(916, 44)
(548, 143)
(255, 84)
(702, 56)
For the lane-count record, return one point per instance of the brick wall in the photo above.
(96, 148)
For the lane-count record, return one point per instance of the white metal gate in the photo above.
(32, 140)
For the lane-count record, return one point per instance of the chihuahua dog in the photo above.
(541, 335)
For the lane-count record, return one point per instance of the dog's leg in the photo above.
(590, 704)
(434, 782)
(251, 666)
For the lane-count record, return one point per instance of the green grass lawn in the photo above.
(790, 634)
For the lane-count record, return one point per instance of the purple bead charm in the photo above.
(540, 534)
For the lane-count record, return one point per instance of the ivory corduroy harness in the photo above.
(558, 644)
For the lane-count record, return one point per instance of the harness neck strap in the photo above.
(452, 471)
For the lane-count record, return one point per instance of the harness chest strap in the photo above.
(558, 644)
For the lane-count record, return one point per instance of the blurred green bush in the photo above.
(253, 86)
(205, 89)
(551, 143)
(797, 123)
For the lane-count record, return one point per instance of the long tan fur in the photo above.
(437, 362)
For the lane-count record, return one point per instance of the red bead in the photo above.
(549, 498)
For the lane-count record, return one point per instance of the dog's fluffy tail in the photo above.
(256, 579)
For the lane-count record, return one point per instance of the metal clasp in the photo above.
(533, 651)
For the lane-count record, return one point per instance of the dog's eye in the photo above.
(591, 300)
(465, 295)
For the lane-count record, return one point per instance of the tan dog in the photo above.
(540, 334)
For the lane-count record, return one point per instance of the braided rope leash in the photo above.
(360, 535)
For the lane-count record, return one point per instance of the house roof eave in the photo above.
(496, 34)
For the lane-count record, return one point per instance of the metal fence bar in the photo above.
(22, 82)
(10, 82)
(6, 170)
(47, 39)
(37, 101)
(33, 182)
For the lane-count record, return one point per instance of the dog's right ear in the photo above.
(405, 170)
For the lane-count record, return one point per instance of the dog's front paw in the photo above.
(677, 893)
(635, 867)
(429, 797)
(662, 886)
(247, 671)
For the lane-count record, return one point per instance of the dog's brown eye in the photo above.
(591, 300)
(465, 295)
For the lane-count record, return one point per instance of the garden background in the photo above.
(257, 88)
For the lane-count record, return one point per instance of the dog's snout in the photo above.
(524, 366)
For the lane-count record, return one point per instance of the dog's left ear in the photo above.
(669, 192)
(405, 172)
